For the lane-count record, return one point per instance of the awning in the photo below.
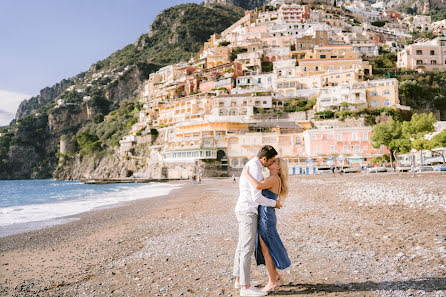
(309, 160)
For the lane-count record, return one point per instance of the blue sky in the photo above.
(44, 41)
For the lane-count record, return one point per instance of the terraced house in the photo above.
(260, 82)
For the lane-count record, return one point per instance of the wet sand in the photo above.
(350, 235)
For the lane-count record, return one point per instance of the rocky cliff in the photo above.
(417, 6)
(28, 147)
(46, 95)
(246, 4)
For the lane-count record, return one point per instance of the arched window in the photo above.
(223, 112)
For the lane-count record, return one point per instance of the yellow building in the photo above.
(218, 56)
(192, 141)
(188, 108)
(382, 93)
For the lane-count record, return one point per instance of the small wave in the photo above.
(47, 211)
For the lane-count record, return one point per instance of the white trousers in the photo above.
(247, 232)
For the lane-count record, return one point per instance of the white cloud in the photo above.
(5, 117)
(9, 102)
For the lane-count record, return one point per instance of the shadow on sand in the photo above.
(428, 285)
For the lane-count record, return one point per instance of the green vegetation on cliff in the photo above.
(100, 135)
(176, 34)
(424, 92)
(437, 14)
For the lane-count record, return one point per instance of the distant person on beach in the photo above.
(247, 216)
(269, 249)
(233, 179)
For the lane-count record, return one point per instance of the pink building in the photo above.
(344, 146)
(294, 12)
(206, 86)
(424, 56)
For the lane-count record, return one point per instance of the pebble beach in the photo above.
(349, 235)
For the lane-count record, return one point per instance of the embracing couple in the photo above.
(257, 221)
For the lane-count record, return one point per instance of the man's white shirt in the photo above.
(250, 198)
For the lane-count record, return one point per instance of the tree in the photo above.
(439, 140)
(378, 23)
(418, 126)
(388, 134)
(415, 130)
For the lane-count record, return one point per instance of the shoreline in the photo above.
(87, 217)
(183, 243)
(61, 212)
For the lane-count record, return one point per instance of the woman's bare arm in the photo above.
(265, 184)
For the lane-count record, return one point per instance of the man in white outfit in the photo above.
(247, 213)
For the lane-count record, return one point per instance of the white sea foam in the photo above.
(49, 211)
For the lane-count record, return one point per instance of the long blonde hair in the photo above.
(283, 174)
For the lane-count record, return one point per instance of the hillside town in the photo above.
(284, 75)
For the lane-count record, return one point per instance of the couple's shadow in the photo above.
(428, 285)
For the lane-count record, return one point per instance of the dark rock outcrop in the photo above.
(46, 95)
(246, 4)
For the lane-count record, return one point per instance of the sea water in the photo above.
(33, 204)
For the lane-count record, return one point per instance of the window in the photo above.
(234, 163)
(419, 62)
(316, 68)
(419, 52)
(259, 80)
(365, 136)
(386, 92)
(432, 53)
(323, 56)
(374, 103)
(339, 137)
(386, 102)
(365, 148)
(433, 62)
(319, 149)
(332, 149)
(305, 69)
(373, 93)
(357, 149)
(345, 149)
(355, 136)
